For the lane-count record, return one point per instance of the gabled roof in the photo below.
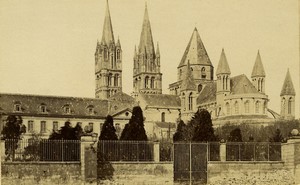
(195, 52)
(223, 67)
(208, 94)
(258, 68)
(242, 85)
(161, 100)
(188, 82)
(146, 40)
(54, 105)
(107, 35)
(288, 87)
(120, 102)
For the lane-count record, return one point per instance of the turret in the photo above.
(258, 74)
(287, 96)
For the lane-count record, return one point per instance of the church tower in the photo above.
(108, 62)
(147, 78)
(258, 74)
(188, 94)
(287, 96)
(201, 66)
(223, 81)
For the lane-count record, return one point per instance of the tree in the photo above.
(66, 132)
(235, 135)
(179, 134)
(277, 137)
(108, 131)
(78, 131)
(203, 128)
(11, 133)
(134, 130)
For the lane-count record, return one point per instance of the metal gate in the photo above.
(190, 163)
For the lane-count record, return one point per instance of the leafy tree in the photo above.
(134, 130)
(66, 132)
(179, 134)
(11, 133)
(78, 131)
(203, 128)
(235, 135)
(32, 151)
(277, 137)
(108, 131)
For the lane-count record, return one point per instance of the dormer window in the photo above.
(17, 107)
(90, 109)
(43, 108)
(67, 109)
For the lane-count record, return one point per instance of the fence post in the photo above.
(222, 151)
(2, 147)
(156, 151)
(88, 159)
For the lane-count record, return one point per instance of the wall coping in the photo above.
(37, 162)
(139, 162)
(245, 162)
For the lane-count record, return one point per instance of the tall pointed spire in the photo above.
(107, 35)
(288, 87)
(223, 67)
(146, 40)
(195, 51)
(258, 68)
(188, 82)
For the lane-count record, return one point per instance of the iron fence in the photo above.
(166, 151)
(253, 151)
(42, 150)
(126, 150)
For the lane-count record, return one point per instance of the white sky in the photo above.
(47, 47)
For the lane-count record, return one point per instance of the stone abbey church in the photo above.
(229, 99)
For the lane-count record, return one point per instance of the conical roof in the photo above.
(195, 52)
(188, 82)
(258, 68)
(288, 87)
(146, 40)
(223, 67)
(107, 35)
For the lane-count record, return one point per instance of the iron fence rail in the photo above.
(42, 150)
(126, 150)
(253, 151)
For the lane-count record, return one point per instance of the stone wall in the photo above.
(40, 173)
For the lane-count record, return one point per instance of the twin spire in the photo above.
(223, 67)
(107, 34)
(146, 40)
(258, 68)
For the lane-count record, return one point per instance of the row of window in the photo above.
(43, 127)
(246, 107)
(43, 109)
(105, 51)
(203, 72)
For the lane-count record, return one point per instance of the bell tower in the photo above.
(108, 62)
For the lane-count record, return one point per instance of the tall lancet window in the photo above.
(257, 104)
(118, 54)
(290, 106)
(152, 83)
(191, 101)
(146, 81)
(236, 107)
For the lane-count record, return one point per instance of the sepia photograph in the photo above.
(149, 92)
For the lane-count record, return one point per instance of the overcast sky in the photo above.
(47, 47)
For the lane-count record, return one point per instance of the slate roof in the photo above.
(288, 87)
(258, 68)
(195, 52)
(208, 94)
(146, 40)
(188, 82)
(223, 67)
(120, 102)
(239, 85)
(107, 35)
(54, 105)
(161, 100)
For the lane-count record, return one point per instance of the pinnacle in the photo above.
(288, 87)
(258, 68)
(223, 67)
(107, 35)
